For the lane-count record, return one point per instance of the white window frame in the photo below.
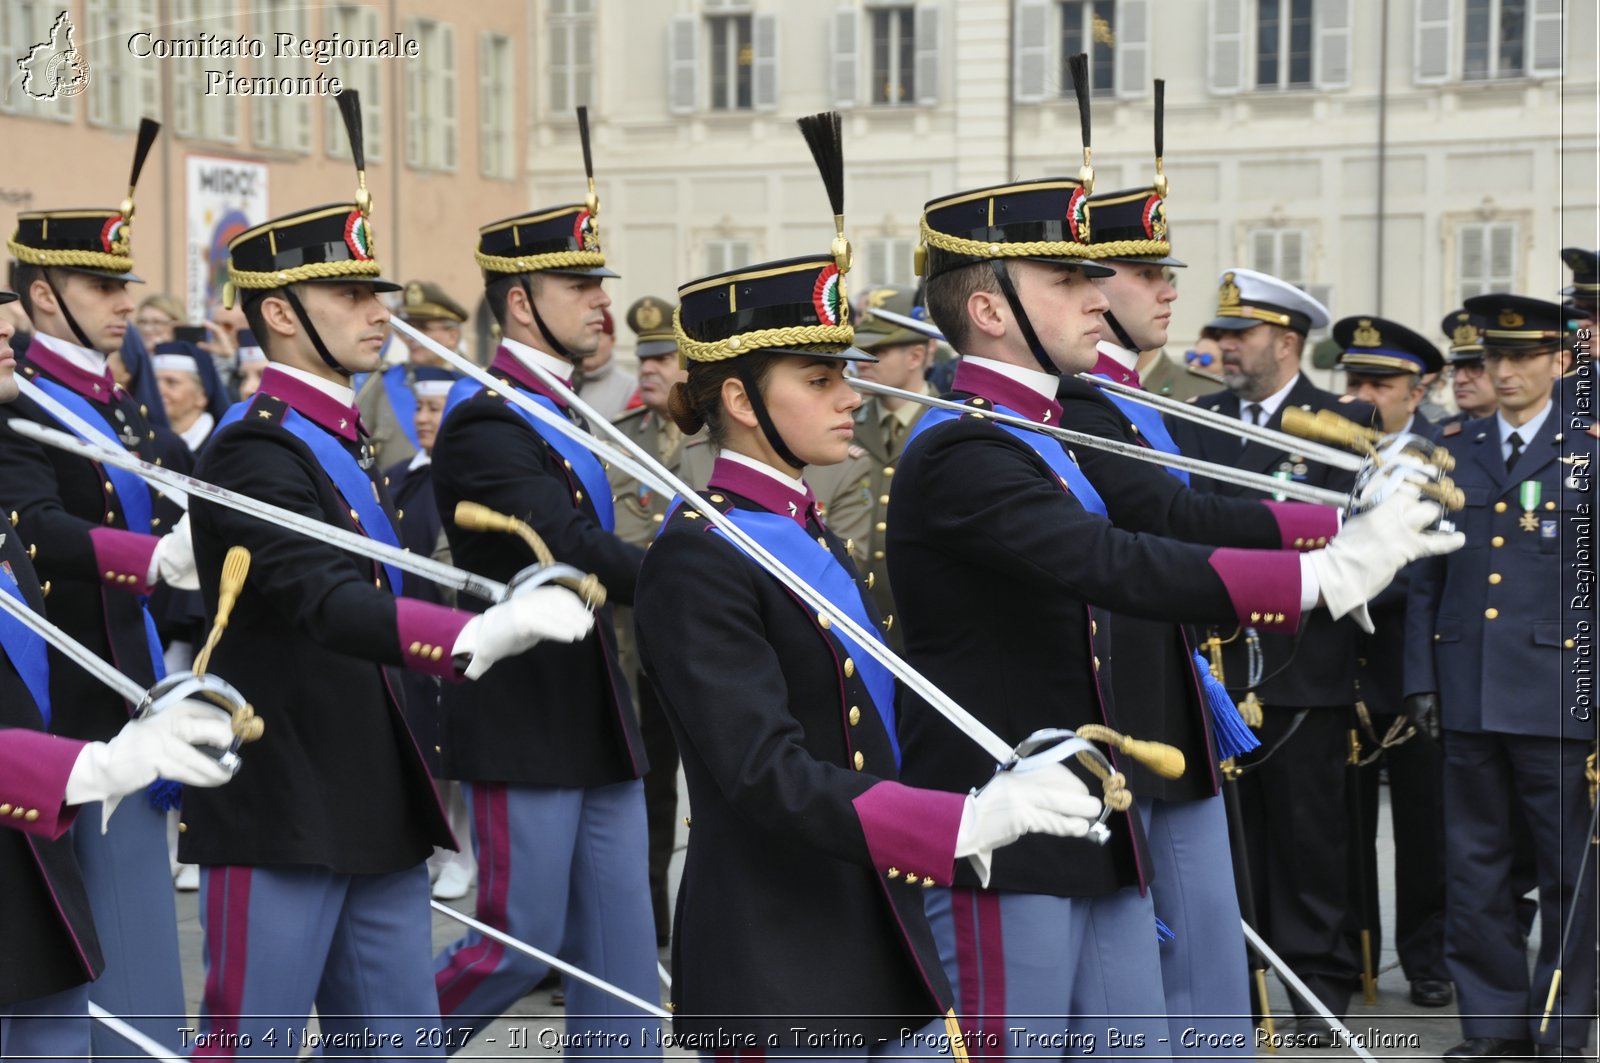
(1285, 9)
(727, 253)
(281, 123)
(1543, 42)
(570, 76)
(888, 262)
(1486, 279)
(727, 23)
(24, 23)
(1087, 15)
(431, 97)
(123, 88)
(497, 133)
(1275, 263)
(196, 116)
(896, 16)
(355, 22)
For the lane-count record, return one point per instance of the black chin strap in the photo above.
(555, 345)
(1003, 277)
(1121, 333)
(311, 330)
(747, 377)
(72, 322)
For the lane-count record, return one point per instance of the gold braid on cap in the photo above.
(535, 263)
(749, 342)
(33, 256)
(957, 245)
(311, 271)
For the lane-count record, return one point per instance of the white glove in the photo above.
(160, 745)
(509, 628)
(1046, 800)
(173, 561)
(1373, 547)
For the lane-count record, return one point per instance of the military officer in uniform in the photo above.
(1474, 394)
(313, 888)
(883, 424)
(1003, 564)
(387, 400)
(1306, 677)
(1583, 295)
(639, 514)
(104, 542)
(555, 785)
(1384, 364)
(1497, 640)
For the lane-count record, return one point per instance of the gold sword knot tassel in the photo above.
(247, 726)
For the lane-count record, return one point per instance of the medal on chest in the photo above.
(1528, 496)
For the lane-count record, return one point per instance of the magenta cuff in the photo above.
(428, 634)
(911, 833)
(1264, 586)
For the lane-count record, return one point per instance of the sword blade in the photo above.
(84, 430)
(1225, 473)
(426, 567)
(73, 650)
(665, 480)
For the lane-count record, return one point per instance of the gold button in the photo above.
(1094, 628)
(16, 813)
(888, 470)
(859, 760)
(822, 542)
(399, 514)
(1499, 507)
(912, 880)
(45, 590)
(566, 463)
(823, 622)
(872, 578)
(1255, 618)
(183, 828)
(1491, 612)
(659, 517)
(850, 546)
(1494, 577)
(33, 551)
(436, 749)
(111, 515)
(1436, 636)
(686, 822)
(436, 653)
(33, 814)
(927, 882)
(415, 648)
(111, 576)
(5, 810)
(108, 487)
(718, 499)
(883, 500)
(1549, 505)
(849, 667)
(1299, 542)
(577, 496)
(386, 481)
(877, 555)
(1498, 540)
(1569, 644)
(355, 516)
(888, 622)
(1097, 664)
(893, 872)
(14, 518)
(881, 526)
(144, 411)
(855, 715)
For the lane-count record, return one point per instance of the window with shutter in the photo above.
(927, 69)
(843, 33)
(683, 79)
(764, 78)
(416, 101)
(1089, 26)
(496, 98)
(431, 101)
(448, 102)
(24, 23)
(1431, 43)
(1030, 50)
(894, 47)
(1546, 39)
(355, 22)
(1498, 35)
(1280, 253)
(282, 122)
(570, 70)
(1131, 28)
(1227, 52)
(1333, 44)
(1285, 36)
(732, 62)
(1485, 258)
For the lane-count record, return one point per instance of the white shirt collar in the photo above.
(418, 460)
(1046, 384)
(196, 433)
(560, 368)
(343, 394)
(1525, 432)
(792, 483)
(90, 361)
(1269, 405)
(1121, 355)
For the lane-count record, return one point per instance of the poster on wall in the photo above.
(225, 197)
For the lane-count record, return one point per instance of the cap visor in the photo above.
(378, 284)
(593, 271)
(1089, 269)
(655, 348)
(1149, 260)
(871, 341)
(130, 276)
(847, 354)
(1233, 324)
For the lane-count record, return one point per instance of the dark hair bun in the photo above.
(684, 415)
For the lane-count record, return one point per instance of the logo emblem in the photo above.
(649, 316)
(54, 69)
(828, 297)
(586, 231)
(1154, 217)
(1511, 319)
(1228, 294)
(1365, 335)
(358, 237)
(114, 236)
(1078, 216)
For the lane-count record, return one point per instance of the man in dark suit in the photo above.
(1498, 650)
(1293, 789)
(1384, 363)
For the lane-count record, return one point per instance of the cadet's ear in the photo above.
(736, 402)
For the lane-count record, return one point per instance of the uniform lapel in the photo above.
(1539, 452)
(1486, 452)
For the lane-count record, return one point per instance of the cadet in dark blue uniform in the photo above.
(52, 951)
(556, 796)
(801, 899)
(1498, 645)
(313, 889)
(1002, 563)
(1474, 394)
(104, 543)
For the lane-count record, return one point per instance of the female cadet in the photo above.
(799, 925)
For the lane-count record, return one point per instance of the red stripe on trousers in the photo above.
(980, 969)
(227, 950)
(471, 966)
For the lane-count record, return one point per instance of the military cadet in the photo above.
(313, 888)
(884, 423)
(1154, 685)
(104, 543)
(640, 512)
(1384, 364)
(1497, 646)
(801, 901)
(251, 364)
(52, 951)
(1002, 560)
(554, 780)
(1294, 788)
(1474, 394)
(387, 400)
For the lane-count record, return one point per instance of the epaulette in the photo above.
(1452, 429)
(267, 408)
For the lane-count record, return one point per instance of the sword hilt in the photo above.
(235, 568)
(1166, 761)
(475, 516)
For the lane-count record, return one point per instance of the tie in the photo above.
(1516, 451)
(1253, 413)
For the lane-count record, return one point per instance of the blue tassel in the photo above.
(164, 795)
(1164, 933)
(1233, 736)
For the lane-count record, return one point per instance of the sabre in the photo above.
(1293, 981)
(84, 430)
(1332, 456)
(1254, 480)
(74, 651)
(426, 567)
(664, 480)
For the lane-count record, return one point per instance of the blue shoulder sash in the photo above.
(27, 651)
(1151, 425)
(403, 401)
(132, 492)
(1048, 448)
